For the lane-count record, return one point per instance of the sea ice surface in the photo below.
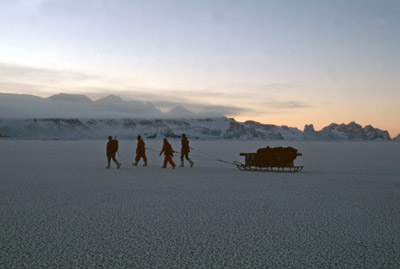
(60, 207)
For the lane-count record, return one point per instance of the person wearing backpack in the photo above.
(168, 153)
(112, 149)
(185, 151)
(140, 151)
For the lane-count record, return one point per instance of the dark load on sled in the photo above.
(268, 159)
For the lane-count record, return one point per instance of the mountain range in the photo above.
(63, 105)
(70, 116)
(205, 129)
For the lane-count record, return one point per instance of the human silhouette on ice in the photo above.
(185, 151)
(168, 153)
(112, 148)
(140, 151)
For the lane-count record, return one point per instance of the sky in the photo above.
(284, 62)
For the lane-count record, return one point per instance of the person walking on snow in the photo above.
(112, 148)
(140, 151)
(168, 153)
(185, 151)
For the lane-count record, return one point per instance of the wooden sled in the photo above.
(270, 160)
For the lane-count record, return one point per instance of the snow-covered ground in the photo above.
(60, 207)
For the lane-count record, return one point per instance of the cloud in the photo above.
(168, 99)
(41, 81)
(165, 99)
(233, 100)
(27, 73)
(16, 87)
(23, 7)
(200, 108)
(286, 104)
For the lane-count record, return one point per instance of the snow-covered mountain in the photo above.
(207, 128)
(65, 97)
(74, 116)
(351, 131)
(63, 105)
(182, 112)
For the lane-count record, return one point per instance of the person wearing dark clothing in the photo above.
(112, 148)
(168, 153)
(140, 151)
(185, 151)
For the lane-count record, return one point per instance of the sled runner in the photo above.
(270, 160)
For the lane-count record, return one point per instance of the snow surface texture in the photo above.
(60, 207)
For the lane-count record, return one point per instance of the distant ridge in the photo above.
(109, 99)
(351, 131)
(75, 116)
(71, 98)
(180, 111)
(64, 105)
(201, 128)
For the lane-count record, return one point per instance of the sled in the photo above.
(270, 160)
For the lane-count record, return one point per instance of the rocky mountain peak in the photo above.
(109, 99)
(78, 98)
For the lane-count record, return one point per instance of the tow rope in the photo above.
(204, 156)
(209, 157)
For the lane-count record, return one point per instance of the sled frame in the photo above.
(280, 169)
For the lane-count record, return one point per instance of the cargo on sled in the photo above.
(268, 159)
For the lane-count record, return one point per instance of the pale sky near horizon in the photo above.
(278, 62)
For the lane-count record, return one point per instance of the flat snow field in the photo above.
(60, 207)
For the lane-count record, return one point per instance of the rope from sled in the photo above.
(158, 151)
(199, 157)
(210, 157)
(204, 156)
